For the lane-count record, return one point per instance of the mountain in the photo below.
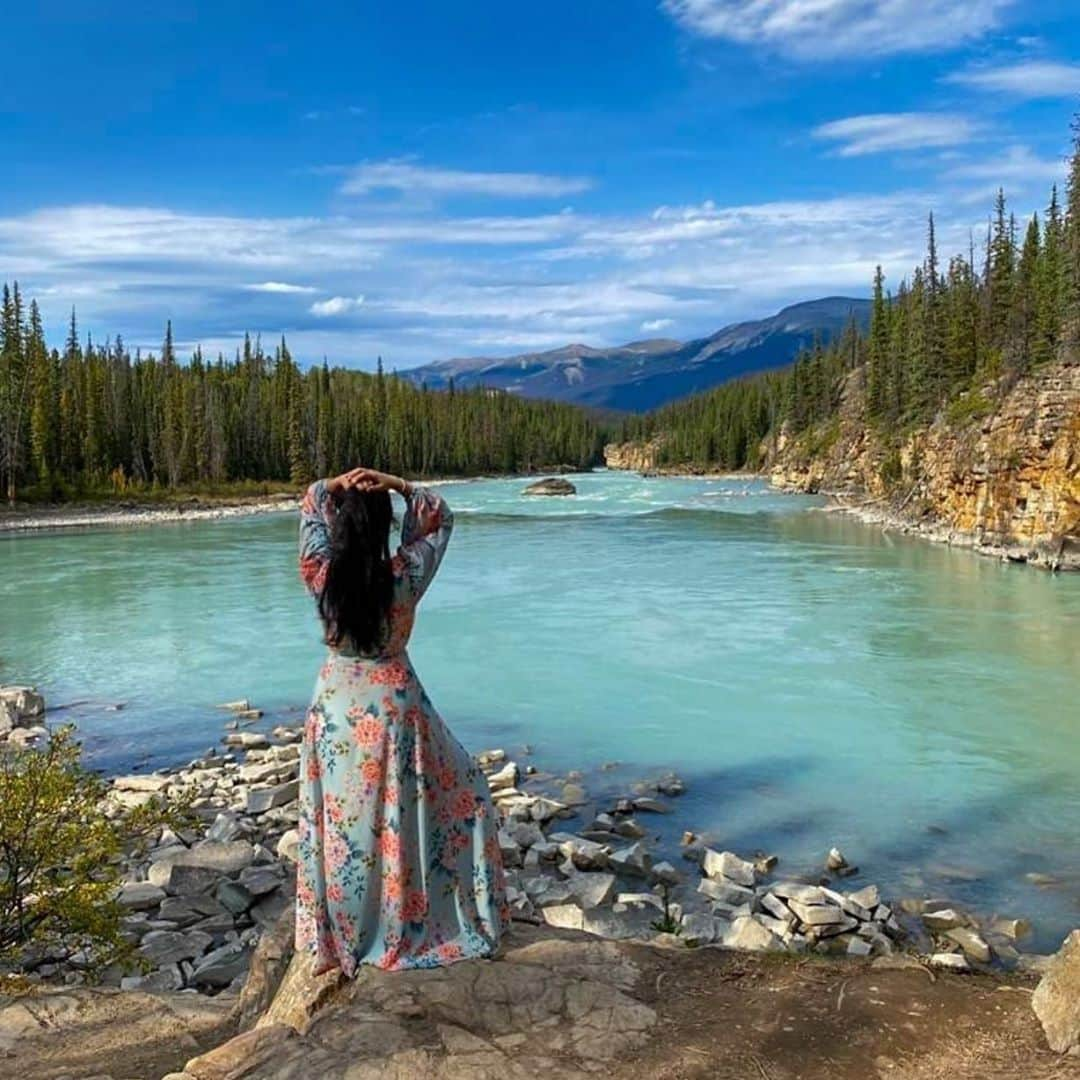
(643, 374)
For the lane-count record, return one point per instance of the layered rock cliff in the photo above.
(997, 471)
(633, 456)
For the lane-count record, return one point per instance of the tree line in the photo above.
(90, 419)
(947, 330)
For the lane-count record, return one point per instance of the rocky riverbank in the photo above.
(209, 911)
(32, 519)
(198, 901)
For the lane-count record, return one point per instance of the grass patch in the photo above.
(967, 408)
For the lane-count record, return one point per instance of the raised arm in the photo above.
(425, 532)
(316, 514)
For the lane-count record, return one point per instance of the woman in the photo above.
(399, 862)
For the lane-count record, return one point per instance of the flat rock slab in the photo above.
(82, 1033)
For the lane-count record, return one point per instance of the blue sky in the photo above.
(425, 180)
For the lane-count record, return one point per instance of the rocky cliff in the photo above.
(633, 456)
(997, 471)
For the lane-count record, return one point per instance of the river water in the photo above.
(814, 680)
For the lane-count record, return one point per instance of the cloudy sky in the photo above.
(423, 180)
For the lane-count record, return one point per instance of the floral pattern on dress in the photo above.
(399, 863)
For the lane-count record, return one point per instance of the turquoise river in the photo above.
(814, 680)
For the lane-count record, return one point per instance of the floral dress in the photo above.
(399, 862)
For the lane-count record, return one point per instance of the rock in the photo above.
(574, 794)
(260, 800)
(179, 879)
(584, 854)
(867, 898)
(858, 946)
(184, 911)
(765, 864)
(725, 864)
(544, 809)
(565, 916)
(140, 895)
(260, 880)
(247, 740)
(747, 934)
(591, 890)
(220, 967)
(243, 1055)
(163, 947)
(700, 928)
(628, 827)
(506, 777)
(269, 962)
(1015, 929)
(27, 736)
(726, 892)
(552, 485)
(634, 922)
(165, 979)
(666, 873)
(650, 805)
(777, 908)
(945, 919)
(525, 833)
(835, 860)
(670, 784)
(975, 948)
(288, 847)
(149, 782)
(817, 914)
(240, 705)
(19, 707)
(234, 897)
(795, 890)
(1056, 1000)
(634, 860)
(948, 961)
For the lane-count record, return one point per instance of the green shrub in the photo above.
(61, 858)
(967, 408)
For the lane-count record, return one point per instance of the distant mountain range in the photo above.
(645, 374)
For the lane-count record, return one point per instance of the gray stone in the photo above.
(975, 948)
(949, 961)
(564, 916)
(584, 854)
(619, 925)
(867, 898)
(288, 847)
(260, 880)
(776, 908)
(179, 879)
(163, 980)
(149, 782)
(700, 928)
(260, 800)
(945, 919)
(634, 860)
(1014, 929)
(816, 914)
(747, 934)
(795, 890)
(666, 873)
(835, 860)
(186, 910)
(650, 805)
(234, 897)
(220, 967)
(726, 892)
(725, 864)
(592, 889)
(858, 946)
(1056, 1000)
(552, 485)
(629, 827)
(163, 947)
(506, 777)
(140, 895)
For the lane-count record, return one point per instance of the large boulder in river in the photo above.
(551, 485)
(1057, 998)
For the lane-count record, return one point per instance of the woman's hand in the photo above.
(366, 480)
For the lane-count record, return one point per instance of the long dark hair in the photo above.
(355, 602)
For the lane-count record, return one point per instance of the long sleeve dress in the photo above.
(399, 862)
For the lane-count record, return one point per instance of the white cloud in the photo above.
(1027, 79)
(1017, 164)
(815, 29)
(279, 287)
(336, 305)
(653, 325)
(407, 177)
(875, 133)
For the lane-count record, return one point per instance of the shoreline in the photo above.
(131, 512)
